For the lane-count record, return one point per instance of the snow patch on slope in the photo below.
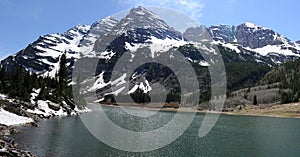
(144, 86)
(156, 45)
(99, 83)
(34, 94)
(9, 119)
(264, 51)
(52, 46)
(234, 47)
(254, 26)
(3, 96)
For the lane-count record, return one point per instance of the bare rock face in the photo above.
(197, 34)
(223, 33)
(298, 42)
(253, 36)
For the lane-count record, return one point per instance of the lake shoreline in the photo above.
(274, 111)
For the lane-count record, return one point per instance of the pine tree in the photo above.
(2, 79)
(62, 75)
(34, 80)
(17, 87)
(43, 95)
(255, 100)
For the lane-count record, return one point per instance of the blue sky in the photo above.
(22, 22)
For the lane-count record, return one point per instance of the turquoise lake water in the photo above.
(231, 136)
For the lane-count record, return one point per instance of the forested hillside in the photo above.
(288, 75)
(19, 84)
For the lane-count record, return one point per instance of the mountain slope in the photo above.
(287, 75)
(143, 33)
(97, 29)
(42, 56)
(250, 37)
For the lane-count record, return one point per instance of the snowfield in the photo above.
(9, 119)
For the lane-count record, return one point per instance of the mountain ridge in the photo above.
(109, 38)
(42, 56)
(223, 33)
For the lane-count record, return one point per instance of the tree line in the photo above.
(19, 84)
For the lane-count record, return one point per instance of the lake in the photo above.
(231, 136)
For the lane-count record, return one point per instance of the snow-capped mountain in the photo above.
(42, 56)
(139, 29)
(141, 17)
(250, 37)
(109, 38)
(253, 36)
(139, 26)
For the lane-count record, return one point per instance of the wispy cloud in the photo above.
(193, 8)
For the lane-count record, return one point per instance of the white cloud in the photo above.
(192, 8)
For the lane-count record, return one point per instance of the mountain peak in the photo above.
(142, 11)
(252, 26)
(140, 17)
(298, 42)
(77, 31)
(249, 24)
(80, 27)
(109, 21)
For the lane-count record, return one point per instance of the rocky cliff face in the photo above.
(223, 33)
(250, 37)
(253, 36)
(197, 34)
(247, 35)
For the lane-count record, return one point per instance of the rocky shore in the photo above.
(8, 147)
(15, 113)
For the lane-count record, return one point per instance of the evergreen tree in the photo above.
(42, 94)
(255, 100)
(62, 75)
(2, 79)
(17, 87)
